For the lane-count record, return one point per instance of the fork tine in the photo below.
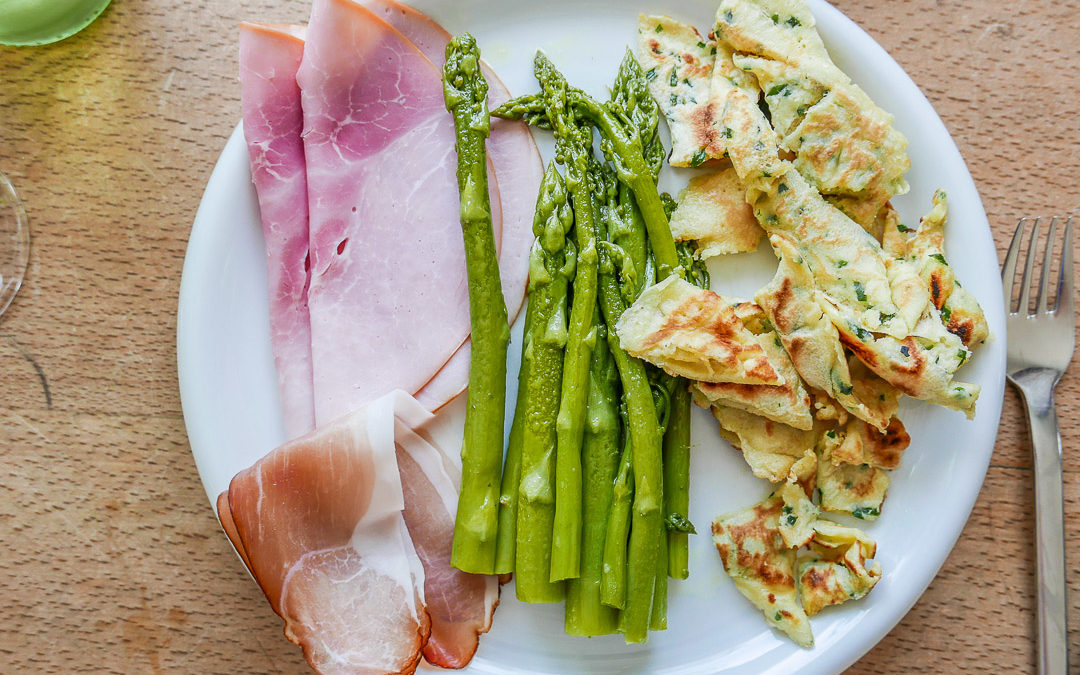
(1029, 265)
(1008, 270)
(1048, 259)
(1067, 278)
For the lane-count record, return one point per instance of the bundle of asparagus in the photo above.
(593, 495)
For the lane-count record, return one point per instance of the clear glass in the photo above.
(14, 242)
(39, 22)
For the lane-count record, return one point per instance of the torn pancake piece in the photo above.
(713, 213)
(763, 568)
(695, 333)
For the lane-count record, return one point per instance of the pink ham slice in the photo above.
(517, 165)
(270, 100)
(460, 605)
(320, 520)
(333, 527)
(388, 296)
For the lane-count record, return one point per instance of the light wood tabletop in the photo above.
(110, 556)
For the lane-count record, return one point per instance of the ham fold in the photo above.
(320, 523)
(460, 605)
(348, 532)
(270, 101)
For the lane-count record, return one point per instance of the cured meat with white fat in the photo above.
(516, 161)
(320, 520)
(388, 296)
(273, 120)
(460, 605)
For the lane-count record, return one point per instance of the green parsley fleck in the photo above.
(864, 512)
(938, 257)
(659, 28)
(793, 22)
(903, 228)
(728, 16)
(728, 133)
(792, 519)
(781, 188)
(946, 314)
(701, 45)
(962, 355)
(674, 100)
(775, 18)
(650, 74)
(778, 616)
(776, 89)
(841, 263)
(674, 79)
(860, 292)
(831, 433)
(699, 157)
(785, 509)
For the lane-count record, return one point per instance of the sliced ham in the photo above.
(460, 605)
(320, 520)
(517, 164)
(388, 296)
(270, 100)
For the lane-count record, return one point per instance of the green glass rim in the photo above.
(88, 18)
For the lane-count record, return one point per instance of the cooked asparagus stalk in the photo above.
(465, 91)
(586, 614)
(551, 267)
(506, 535)
(574, 148)
(677, 481)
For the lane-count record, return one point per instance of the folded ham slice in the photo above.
(517, 164)
(348, 531)
(270, 100)
(460, 605)
(320, 521)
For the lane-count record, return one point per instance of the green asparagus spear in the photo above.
(551, 267)
(613, 575)
(465, 91)
(677, 481)
(585, 613)
(631, 98)
(646, 530)
(623, 146)
(574, 147)
(506, 535)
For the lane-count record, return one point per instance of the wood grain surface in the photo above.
(110, 557)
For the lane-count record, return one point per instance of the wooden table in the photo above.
(110, 557)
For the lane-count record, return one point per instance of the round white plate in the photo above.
(229, 392)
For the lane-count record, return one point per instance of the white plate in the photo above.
(230, 404)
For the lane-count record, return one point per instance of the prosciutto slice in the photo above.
(460, 605)
(320, 521)
(517, 164)
(388, 296)
(348, 531)
(270, 100)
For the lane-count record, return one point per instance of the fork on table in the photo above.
(1040, 346)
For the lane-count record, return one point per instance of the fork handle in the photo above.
(1038, 393)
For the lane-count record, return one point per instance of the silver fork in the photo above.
(1040, 346)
